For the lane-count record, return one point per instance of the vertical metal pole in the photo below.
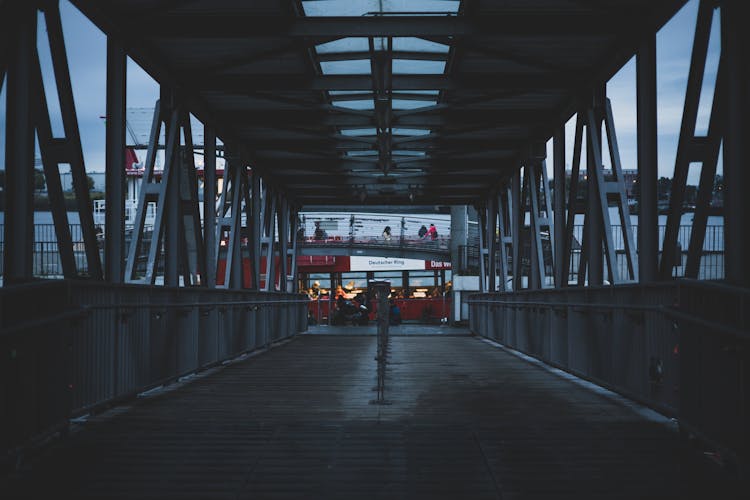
(594, 216)
(687, 133)
(209, 203)
(172, 168)
(558, 165)
(114, 249)
(19, 152)
(257, 230)
(648, 220)
(491, 242)
(482, 212)
(735, 46)
(516, 220)
(70, 125)
(283, 218)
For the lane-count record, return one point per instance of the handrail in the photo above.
(667, 310)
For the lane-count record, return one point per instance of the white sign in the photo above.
(357, 263)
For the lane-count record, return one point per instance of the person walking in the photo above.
(387, 233)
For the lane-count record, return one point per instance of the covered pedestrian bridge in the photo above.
(164, 369)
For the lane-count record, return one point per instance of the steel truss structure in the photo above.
(292, 139)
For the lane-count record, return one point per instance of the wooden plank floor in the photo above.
(465, 420)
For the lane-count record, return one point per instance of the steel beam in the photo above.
(256, 230)
(563, 23)
(73, 138)
(736, 49)
(685, 150)
(561, 266)
(114, 243)
(491, 82)
(648, 220)
(209, 204)
(53, 152)
(482, 213)
(516, 223)
(18, 251)
(284, 216)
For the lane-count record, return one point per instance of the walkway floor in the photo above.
(465, 420)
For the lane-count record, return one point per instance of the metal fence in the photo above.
(681, 348)
(367, 230)
(711, 264)
(69, 347)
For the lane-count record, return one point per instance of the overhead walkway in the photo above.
(464, 419)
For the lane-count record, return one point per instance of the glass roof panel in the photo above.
(358, 67)
(361, 153)
(409, 104)
(405, 152)
(358, 131)
(410, 67)
(419, 45)
(362, 7)
(357, 44)
(410, 131)
(348, 92)
(360, 104)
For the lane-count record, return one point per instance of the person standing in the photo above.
(387, 233)
(422, 231)
(432, 233)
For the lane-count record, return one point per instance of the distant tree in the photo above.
(90, 182)
(2, 179)
(39, 182)
(664, 188)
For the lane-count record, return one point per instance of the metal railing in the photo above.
(681, 348)
(74, 346)
(323, 228)
(711, 264)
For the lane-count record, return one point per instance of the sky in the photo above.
(86, 48)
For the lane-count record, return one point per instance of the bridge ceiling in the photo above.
(365, 102)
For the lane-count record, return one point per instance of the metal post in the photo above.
(482, 213)
(19, 152)
(172, 247)
(256, 229)
(558, 159)
(516, 221)
(283, 223)
(491, 226)
(648, 220)
(735, 43)
(686, 142)
(114, 249)
(73, 138)
(596, 204)
(209, 204)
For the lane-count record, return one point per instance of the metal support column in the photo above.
(256, 230)
(558, 164)
(284, 225)
(490, 239)
(736, 51)
(482, 213)
(209, 204)
(71, 145)
(690, 149)
(229, 221)
(648, 220)
(114, 218)
(516, 222)
(19, 152)
(170, 213)
(503, 222)
(294, 226)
